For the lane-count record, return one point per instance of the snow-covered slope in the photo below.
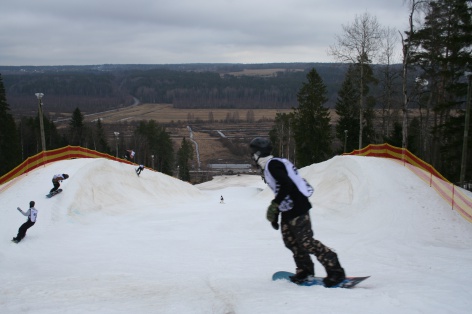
(114, 242)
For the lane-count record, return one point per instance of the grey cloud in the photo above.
(52, 32)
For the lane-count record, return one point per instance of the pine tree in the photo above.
(347, 108)
(100, 139)
(10, 147)
(77, 128)
(312, 131)
(151, 139)
(395, 138)
(184, 155)
(365, 74)
(442, 51)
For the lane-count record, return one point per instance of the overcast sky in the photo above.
(73, 32)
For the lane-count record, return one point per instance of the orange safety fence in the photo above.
(45, 157)
(454, 195)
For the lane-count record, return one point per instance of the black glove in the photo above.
(273, 215)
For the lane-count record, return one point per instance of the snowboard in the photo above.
(53, 193)
(349, 282)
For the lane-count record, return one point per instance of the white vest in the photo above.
(302, 185)
(33, 214)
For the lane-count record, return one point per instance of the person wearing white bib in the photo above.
(56, 179)
(129, 154)
(292, 204)
(32, 214)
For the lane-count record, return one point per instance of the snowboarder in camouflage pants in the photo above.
(298, 238)
(291, 201)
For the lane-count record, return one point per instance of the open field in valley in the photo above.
(166, 113)
(192, 124)
(206, 134)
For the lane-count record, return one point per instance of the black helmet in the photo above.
(65, 176)
(31, 204)
(261, 147)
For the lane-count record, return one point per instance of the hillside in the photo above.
(113, 242)
(101, 88)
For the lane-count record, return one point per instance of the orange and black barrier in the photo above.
(454, 195)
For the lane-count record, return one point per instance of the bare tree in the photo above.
(388, 77)
(414, 6)
(360, 44)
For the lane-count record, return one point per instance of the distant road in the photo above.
(196, 146)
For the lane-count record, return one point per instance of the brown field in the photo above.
(261, 72)
(207, 135)
(166, 113)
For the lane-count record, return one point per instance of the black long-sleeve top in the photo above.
(301, 204)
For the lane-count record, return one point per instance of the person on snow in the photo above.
(32, 214)
(291, 201)
(139, 169)
(129, 155)
(222, 200)
(55, 181)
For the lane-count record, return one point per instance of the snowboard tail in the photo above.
(349, 282)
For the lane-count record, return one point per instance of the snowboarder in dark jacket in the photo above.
(32, 214)
(139, 169)
(291, 201)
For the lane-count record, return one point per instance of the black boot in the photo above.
(335, 273)
(335, 277)
(301, 276)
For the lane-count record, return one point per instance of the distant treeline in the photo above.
(99, 88)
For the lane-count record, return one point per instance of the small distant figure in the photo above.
(55, 181)
(32, 214)
(129, 154)
(222, 201)
(139, 169)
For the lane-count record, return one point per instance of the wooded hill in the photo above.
(102, 87)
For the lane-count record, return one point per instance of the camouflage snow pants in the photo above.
(298, 238)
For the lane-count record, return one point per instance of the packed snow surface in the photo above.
(113, 242)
